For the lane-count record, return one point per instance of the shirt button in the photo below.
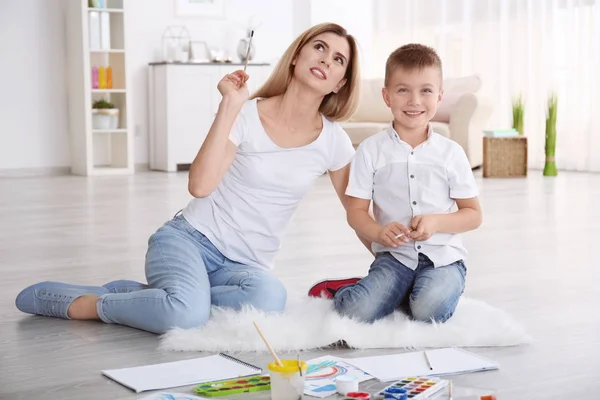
(414, 203)
(412, 152)
(419, 247)
(412, 176)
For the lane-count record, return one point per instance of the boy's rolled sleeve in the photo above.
(360, 182)
(460, 176)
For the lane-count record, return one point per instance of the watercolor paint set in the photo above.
(235, 386)
(412, 388)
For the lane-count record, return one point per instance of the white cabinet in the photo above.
(183, 101)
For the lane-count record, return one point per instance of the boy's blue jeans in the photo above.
(186, 275)
(430, 294)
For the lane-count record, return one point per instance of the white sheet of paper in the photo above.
(444, 361)
(180, 373)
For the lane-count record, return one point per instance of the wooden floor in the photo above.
(532, 257)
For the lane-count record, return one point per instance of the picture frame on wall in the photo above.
(199, 8)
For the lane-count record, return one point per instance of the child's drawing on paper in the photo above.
(322, 372)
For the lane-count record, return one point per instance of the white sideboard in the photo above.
(183, 100)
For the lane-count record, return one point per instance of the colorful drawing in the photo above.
(322, 372)
(327, 372)
(313, 367)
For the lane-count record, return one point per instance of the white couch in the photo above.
(461, 116)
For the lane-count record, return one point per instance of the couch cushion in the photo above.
(359, 131)
(371, 106)
(454, 89)
(446, 106)
(465, 84)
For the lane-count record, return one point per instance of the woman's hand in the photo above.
(233, 87)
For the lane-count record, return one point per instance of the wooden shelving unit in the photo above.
(98, 151)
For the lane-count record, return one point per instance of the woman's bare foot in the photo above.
(83, 307)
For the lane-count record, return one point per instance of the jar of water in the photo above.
(287, 380)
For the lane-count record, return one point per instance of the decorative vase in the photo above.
(105, 118)
(242, 48)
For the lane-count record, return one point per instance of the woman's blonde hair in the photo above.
(335, 106)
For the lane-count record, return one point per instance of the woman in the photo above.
(259, 159)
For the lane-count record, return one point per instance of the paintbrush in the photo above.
(268, 346)
(248, 52)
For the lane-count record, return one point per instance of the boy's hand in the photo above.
(393, 234)
(423, 227)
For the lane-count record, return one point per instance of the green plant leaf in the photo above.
(101, 103)
(518, 113)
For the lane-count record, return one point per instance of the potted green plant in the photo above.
(104, 115)
(550, 166)
(518, 113)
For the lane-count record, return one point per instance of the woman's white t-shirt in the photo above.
(248, 212)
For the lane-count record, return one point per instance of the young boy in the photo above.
(414, 177)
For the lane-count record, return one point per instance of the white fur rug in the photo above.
(312, 323)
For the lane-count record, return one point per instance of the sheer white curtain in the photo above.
(528, 47)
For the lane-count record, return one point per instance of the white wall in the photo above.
(357, 17)
(33, 102)
(151, 17)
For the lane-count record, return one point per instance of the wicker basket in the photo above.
(504, 157)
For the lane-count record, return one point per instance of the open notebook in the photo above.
(444, 362)
(182, 373)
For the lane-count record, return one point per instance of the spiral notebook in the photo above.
(182, 373)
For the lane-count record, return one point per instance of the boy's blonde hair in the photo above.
(410, 57)
(335, 106)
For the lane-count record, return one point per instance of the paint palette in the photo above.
(416, 388)
(235, 386)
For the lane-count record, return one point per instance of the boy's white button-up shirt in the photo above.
(403, 182)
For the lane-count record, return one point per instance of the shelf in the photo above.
(106, 31)
(108, 90)
(119, 99)
(110, 10)
(101, 43)
(116, 61)
(107, 51)
(110, 152)
(118, 130)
